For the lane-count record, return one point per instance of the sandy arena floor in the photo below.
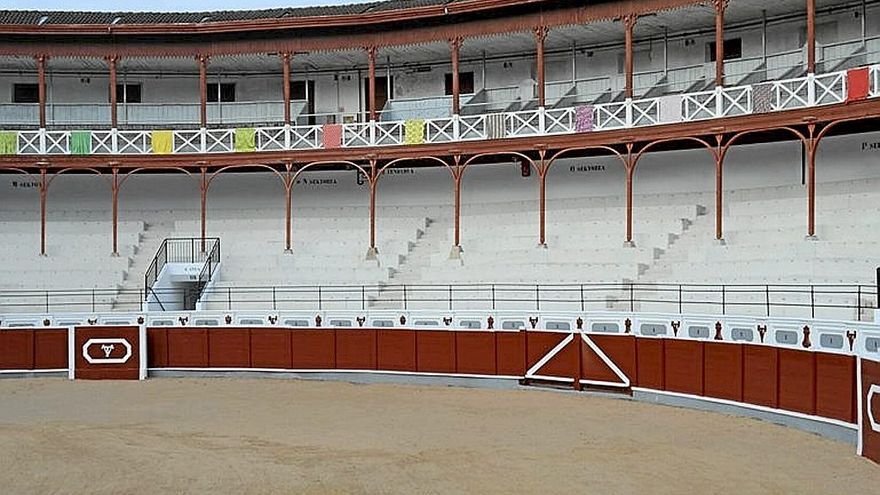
(286, 436)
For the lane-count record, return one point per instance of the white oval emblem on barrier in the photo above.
(107, 348)
(874, 390)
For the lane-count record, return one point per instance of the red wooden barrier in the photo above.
(869, 424)
(107, 353)
(796, 380)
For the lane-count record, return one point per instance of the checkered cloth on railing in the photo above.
(332, 135)
(583, 118)
(762, 98)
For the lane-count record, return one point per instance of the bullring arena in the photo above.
(442, 246)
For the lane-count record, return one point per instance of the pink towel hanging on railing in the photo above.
(583, 118)
(332, 135)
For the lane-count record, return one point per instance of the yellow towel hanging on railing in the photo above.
(414, 131)
(163, 142)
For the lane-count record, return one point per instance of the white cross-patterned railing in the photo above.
(356, 134)
(802, 92)
(443, 130)
(613, 115)
(717, 103)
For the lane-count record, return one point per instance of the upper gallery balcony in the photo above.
(537, 81)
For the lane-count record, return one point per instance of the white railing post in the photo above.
(542, 121)
(456, 128)
(286, 136)
(42, 141)
(372, 129)
(811, 89)
(719, 101)
(628, 106)
(114, 141)
(203, 140)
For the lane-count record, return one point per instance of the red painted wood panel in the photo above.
(835, 386)
(650, 362)
(50, 349)
(621, 349)
(475, 353)
(229, 348)
(157, 347)
(723, 371)
(87, 345)
(397, 350)
(436, 351)
(797, 381)
(187, 347)
(759, 375)
(870, 437)
(313, 349)
(356, 349)
(563, 364)
(270, 348)
(17, 349)
(683, 365)
(510, 352)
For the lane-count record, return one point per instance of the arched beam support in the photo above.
(457, 171)
(717, 157)
(292, 174)
(809, 142)
(625, 160)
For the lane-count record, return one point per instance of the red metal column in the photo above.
(288, 190)
(811, 36)
(457, 171)
(374, 176)
(203, 90)
(285, 67)
(629, 22)
(203, 190)
(540, 36)
(719, 187)
(630, 170)
(44, 189)
(111, 62)
(811, 181)
(720, 5)
(41, 87)
(542, 198)
(455, 47)
(371, 56)
(114, 192)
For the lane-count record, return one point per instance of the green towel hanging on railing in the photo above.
(245, 139)
(81, 143)
(414, 131)
(162, 142)
(8, 143)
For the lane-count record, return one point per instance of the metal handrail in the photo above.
(766, 299)
(177, 250)
(208, 270)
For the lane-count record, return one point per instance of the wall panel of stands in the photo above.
(818, 370)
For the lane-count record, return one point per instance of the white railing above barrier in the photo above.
(806, 334)
(802, 92)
